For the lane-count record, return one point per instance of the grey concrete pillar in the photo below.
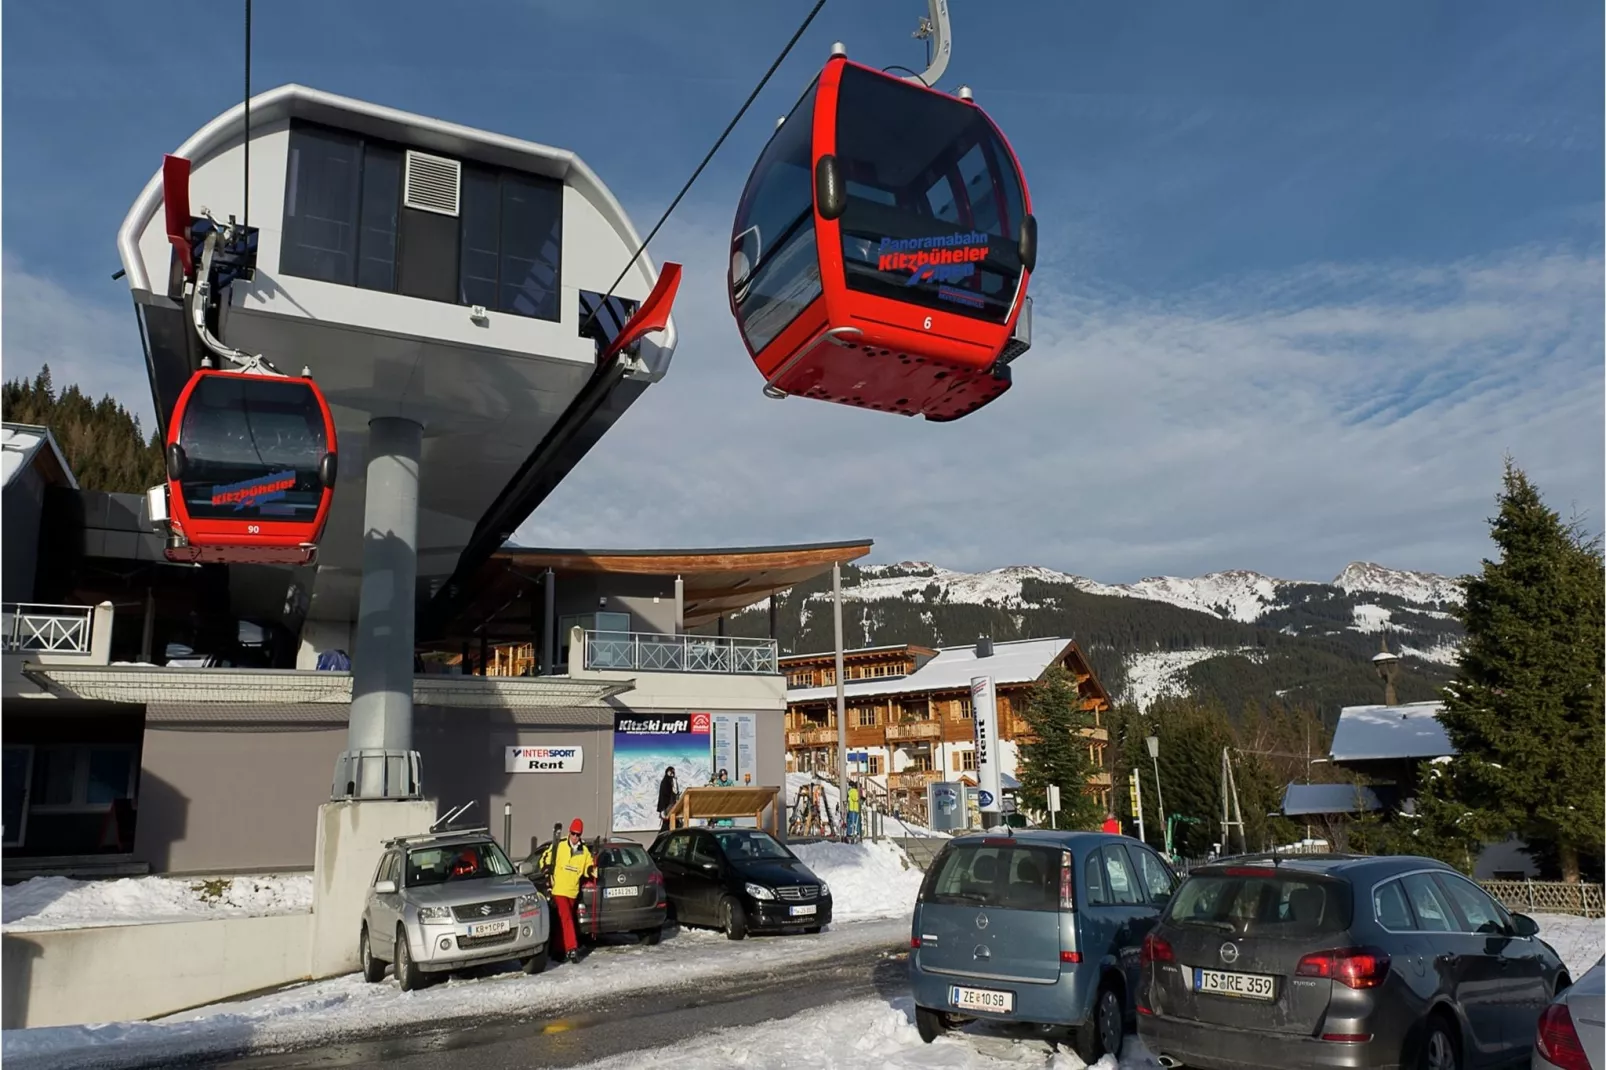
(380, 762)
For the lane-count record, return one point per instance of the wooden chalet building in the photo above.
(909, 715)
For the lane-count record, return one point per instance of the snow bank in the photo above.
(61, 903)
(326, 1011)
(1579, 941)
(868, 880)
(868, 1034)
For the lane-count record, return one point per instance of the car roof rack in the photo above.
(441, 834)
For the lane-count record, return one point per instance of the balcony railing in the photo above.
(811, 737)
(651, 652)
(912, 779)
(914, 730)
(48, 629)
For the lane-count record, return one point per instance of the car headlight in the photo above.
(434, 913)
(825, 890)
(758, 891)
(529, 902)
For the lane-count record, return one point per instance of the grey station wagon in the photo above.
(1341, 961)
(1038, 927)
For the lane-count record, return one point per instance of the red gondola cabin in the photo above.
(882, 249)
(250, 469)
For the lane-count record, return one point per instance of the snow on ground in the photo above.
(1370, 618)
(325, 1011)
(868, 880)
(868, 1034)
(1158, 673)
(1579, 941)
(60, 903)
(1444, 653)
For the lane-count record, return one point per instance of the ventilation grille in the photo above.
(433, 183)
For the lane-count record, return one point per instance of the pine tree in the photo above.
(1525, 710)
(103, 442)
(1056, 752)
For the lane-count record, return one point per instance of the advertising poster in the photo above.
(644, 745)
(734, 736)
(984, 708)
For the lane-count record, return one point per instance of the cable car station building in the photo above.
(433, 280)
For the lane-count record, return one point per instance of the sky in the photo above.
(1307, 273)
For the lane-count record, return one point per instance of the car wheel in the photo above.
(930, 1024)
(1439, 1050)
(1103, 1034)
(408, 975)
(373, 970)
(534, 962)
(734, 917)
(650, 937)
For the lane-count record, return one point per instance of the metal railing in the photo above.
(652, 652)
(48, 629)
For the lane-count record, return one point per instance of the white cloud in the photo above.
(89, 341)
(1288, 424)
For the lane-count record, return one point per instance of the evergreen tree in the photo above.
(1057, 752)
(103, 442)
(1525, 710)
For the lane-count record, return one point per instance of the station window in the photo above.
(346, 222)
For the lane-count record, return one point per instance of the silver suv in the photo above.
(448, 901)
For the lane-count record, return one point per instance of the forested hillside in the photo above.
(105, 446)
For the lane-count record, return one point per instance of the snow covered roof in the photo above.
(21, 443)
(1302, 799)
(1018, 662)
(1373, 733)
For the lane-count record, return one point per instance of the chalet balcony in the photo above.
(912, 779)
(811, 737)
(652, 652)
(927, 730)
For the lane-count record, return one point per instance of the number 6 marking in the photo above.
(928, 323)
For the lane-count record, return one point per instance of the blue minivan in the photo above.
(1036, 927)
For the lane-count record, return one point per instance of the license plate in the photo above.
(488, 928)
(981, 999)
(619, 893)
(803, 910)
(1243, 985)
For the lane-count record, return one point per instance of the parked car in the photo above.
(1572, 1030)
(1037, 926)
(446, 902)
(1341, 961)
(739, 880)
(631, 889)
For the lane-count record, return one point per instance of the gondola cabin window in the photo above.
(933, 206)
(775, 273)
(252, 450)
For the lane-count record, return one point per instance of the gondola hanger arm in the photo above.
(934, 26)
(200, 293)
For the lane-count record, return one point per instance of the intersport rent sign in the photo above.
(544, 759)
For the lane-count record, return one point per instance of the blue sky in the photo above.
(1308, 271)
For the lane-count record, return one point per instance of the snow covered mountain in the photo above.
(1237, 635)
(1233, 595)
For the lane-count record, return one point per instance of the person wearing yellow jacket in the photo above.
(568, 861)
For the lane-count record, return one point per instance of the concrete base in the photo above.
(351, 837)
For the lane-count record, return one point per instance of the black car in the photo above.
(739, 880)
(628, 887)
(1341, 961)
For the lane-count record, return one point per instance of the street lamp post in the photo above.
(1153, 743)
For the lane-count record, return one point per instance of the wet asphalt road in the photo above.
(607, 1027)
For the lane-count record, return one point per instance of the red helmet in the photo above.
(577, 827)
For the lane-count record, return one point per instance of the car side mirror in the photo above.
(1524, 925)
(526, 868)
(385, 887)
(710, 866)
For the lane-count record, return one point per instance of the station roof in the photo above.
(1300, 800)
(717, 580)
(1390, 733)
(24, 444)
